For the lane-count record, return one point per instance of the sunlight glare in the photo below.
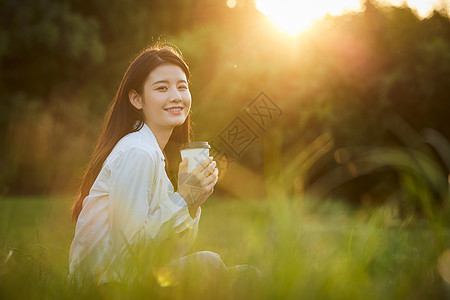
(423, 8)
(295, 16)
(231, 3)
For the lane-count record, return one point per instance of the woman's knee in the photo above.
(210, 258)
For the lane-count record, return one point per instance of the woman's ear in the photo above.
(135, 99)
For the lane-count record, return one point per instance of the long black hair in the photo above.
(123, 118)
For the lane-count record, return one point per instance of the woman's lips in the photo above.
(174, 110)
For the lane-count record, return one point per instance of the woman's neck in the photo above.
(162, 136)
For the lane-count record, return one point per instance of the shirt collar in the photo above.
(147, 132)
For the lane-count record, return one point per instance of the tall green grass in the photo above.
(305, 249)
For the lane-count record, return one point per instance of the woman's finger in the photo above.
(203, 165)
(209, 189)
(206, 162)
(212, 178)
(210, 169)
(217, 176)
(208, 180)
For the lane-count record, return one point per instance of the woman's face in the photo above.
(166, 100)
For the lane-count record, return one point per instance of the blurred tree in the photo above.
(42, 43)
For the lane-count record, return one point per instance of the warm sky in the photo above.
(294, 16)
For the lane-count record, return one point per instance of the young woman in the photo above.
(126, 197)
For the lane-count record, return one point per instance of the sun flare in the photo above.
(295, 16)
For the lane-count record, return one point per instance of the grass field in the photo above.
(304, 249)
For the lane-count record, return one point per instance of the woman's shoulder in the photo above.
(134, 143)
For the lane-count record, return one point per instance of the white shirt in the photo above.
(131, 200)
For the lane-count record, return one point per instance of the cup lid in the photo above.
(195, 145)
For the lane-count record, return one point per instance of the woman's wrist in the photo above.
(187, 197)
(193, 210)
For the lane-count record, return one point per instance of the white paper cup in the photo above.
(196, 152)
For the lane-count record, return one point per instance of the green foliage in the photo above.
(61, 62)
(43, 42)
(310, 249)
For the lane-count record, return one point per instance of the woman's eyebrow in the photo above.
(160, 81)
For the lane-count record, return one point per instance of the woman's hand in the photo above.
(197, 186)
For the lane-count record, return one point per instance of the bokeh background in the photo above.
(358, 113)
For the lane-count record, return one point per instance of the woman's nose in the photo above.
(175, 96)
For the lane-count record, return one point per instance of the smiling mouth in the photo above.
(174, 109)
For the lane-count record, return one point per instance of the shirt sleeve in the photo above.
(132, 215)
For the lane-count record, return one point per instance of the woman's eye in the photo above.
(183, 87)
(161, 88)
